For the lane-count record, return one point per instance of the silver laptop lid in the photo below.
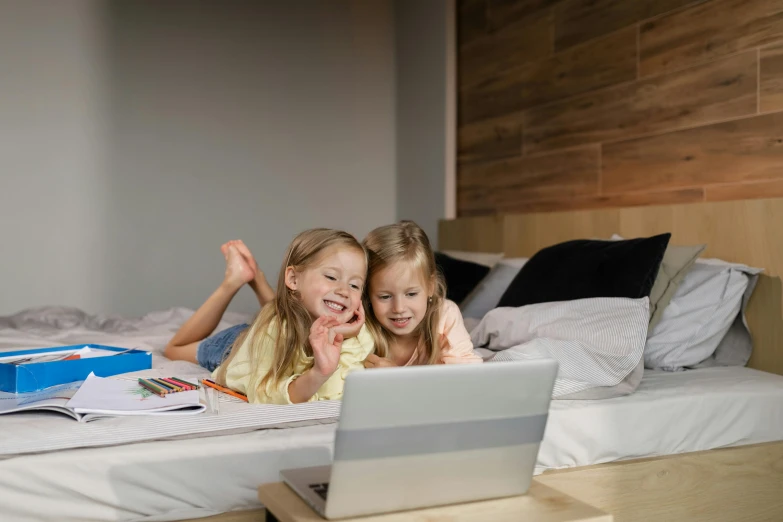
(430, 435)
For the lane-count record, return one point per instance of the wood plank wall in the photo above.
(568, 104)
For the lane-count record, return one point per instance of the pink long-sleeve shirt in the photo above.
(455, 343)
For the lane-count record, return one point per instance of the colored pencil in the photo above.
(144, 381)
(179, 385)
(164, 384)
(183, 381)
(153, 384)
(151, 387)
(228, 391)
(154, 381)
(160, 384)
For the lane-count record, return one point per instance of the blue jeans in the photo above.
(213, 350)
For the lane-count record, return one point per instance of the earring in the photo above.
(430, 299)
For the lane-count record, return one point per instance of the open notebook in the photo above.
(98, 397)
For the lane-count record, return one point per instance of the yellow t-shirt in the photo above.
(241, 377)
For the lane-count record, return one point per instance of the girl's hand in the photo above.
(326, 345)
(373, 361)
(352, 327)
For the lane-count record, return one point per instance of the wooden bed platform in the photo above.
(741, 483)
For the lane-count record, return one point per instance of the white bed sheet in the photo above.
(669, 413)
(170, 480)
(162, 480)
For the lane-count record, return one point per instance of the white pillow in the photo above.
(598, 342)
(488, 292)
(482, 258)
(704, 307)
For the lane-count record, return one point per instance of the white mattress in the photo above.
(171, 480)
(164, 480)
(669, 413)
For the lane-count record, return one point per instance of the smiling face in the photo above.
(333, 285)
(399, 294)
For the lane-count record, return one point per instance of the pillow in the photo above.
(693, 328)
(676, 262)
(461, 276)
(489, 259)
(736, 346)
(584, 268)
(516, 262)
(487, 294)
(470, 323)
(598, 343)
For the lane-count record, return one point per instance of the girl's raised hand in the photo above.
(326, 344)
(352, 327)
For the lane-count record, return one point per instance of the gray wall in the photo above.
(52, 154)
(138, 136)
(426, 111)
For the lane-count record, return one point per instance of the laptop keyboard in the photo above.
(321, 489)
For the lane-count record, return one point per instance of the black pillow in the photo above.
(461, 276)
(584, 268)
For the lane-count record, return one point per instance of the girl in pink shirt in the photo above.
(408, 315)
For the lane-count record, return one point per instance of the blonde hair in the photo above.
(287, 312)
(405, 242)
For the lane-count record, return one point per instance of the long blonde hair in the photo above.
(287, 312)
(405, 242)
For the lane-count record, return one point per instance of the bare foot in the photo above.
(243, 250)
(238, 272)
(258, 275)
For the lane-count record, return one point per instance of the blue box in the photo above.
(37, 376)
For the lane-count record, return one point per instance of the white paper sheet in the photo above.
(123, 397)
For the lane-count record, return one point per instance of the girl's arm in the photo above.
(316, 384)
(354, 352)
(304, 387)
(327, 347)
(456, 346)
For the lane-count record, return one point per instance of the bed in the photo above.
(655, 454)
(696, 469)
(113, 482)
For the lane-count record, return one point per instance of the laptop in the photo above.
(425, 436)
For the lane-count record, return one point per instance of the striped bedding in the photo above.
(47, 432)
(598, 342)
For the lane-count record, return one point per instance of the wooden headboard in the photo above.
(738, 231)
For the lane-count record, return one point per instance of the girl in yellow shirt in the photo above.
(295, 350)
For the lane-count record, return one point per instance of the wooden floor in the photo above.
(722, 485)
